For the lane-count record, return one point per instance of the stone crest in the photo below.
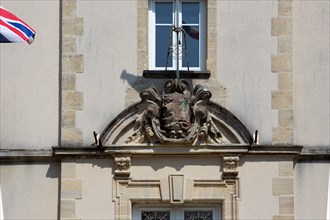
(177, 115)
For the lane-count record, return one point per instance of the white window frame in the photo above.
(152, 35)
(177, 212)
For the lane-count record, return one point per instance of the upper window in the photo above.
(189, 15)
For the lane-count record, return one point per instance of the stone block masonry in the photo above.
(72, 64)
(281, 63)
(283, 188)
(72, 101)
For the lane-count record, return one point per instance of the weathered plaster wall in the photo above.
(29, 79)
(255, 180)
(109, 46)
(30, 191)
(245, 46)
(96, 191)
(311, 189)
(311, 72)
(161, 166)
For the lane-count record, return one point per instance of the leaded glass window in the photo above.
(176, 213)
(155, 215)
(198, 215)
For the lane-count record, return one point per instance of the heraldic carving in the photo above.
(178, 115)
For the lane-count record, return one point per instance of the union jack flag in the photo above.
(13, 29)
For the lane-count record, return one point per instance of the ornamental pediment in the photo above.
(176, 115)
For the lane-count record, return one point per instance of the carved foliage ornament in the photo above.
(230, 167)
(122, 165)
(178, 115)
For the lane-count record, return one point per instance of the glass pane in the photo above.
(198, 215)
(190, 13)
(162, 39)
(192, 38)
(155, 215)
(164, 12)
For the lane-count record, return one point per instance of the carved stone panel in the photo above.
(230, 167)
(122, 165)
(177, 115)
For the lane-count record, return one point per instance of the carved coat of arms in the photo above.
(177, 115)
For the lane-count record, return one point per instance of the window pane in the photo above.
(162, 39)
(155, 215)
(192, 37)
(190, 13)
(198, 215)
(164, 12)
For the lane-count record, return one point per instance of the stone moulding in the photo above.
(230, 167)
(128, 193)
(177, 115)
(122, 165)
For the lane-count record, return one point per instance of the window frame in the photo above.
(177, 212)
(152, 34)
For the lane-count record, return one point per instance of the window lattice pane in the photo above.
(198, 215)
(192, 35)
(155, 215)
(164, 12)
(162, 38)
(190, 12)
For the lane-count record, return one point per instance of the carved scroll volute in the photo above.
(122, 165)
(230, 167)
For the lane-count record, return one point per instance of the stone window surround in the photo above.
(142, 27)
(158, 192)
(128, 192)
(176, 190)
(176, 212)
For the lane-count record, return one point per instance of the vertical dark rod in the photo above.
(60, 74)
(177, 56)
(177, 42)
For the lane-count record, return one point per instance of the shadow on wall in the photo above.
(54, 170)
(177, 163)
(139, 83)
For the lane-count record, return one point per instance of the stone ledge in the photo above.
(42, 155)
(179, 150)
(27, 155)
(315, 153)
(165, 74)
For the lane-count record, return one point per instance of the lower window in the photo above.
(176, 213)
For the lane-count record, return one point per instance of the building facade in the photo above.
(93, 127)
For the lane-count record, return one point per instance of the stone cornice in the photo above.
(315, 153)
(56, 153)
(26, 155)
(180, 150)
